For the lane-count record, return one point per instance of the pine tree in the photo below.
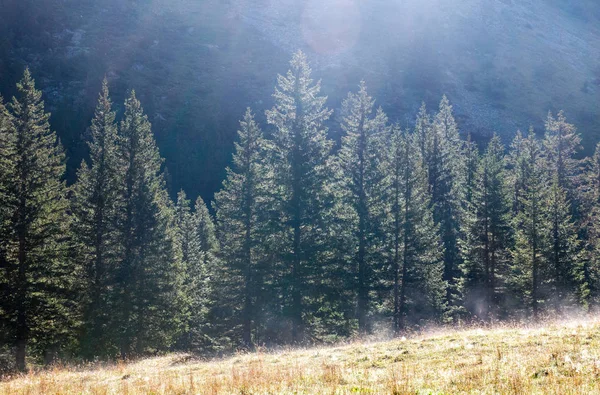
(36, 276)
(194, 285)
(424, 135)
(94, 205)
(447, 170)
(531, 224)
(471, 164)
(561, 142)
(589, 289)
(300, 152)
(517, 165)
(242, 208)
(205, 227)
(415, 245)
(563, 252)
(8, 149)
(485, 250)
(361, 189)
(148, 271)
(7, 163)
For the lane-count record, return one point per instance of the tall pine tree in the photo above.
(516, 176)
(589, 288)
(485, 250)
(299, 159)
(563, 252)
(147, 303)
(195, 287)
(242, 208)
(7, 163)
(531, 225)
(36, 276)
(413, 239)
(447, 171)
(561, 142)
(94, 204)
(361, 189)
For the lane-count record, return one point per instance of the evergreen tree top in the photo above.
(297, 98)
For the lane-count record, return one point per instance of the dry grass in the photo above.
(556, 359)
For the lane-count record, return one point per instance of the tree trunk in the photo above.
(363, 212)
(22, 335)
(407, 233)
(20, 355)
(296, 203)
(534, 264)
(396, 267)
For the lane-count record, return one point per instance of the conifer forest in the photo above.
(310, 240)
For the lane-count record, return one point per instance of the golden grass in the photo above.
(555, 359)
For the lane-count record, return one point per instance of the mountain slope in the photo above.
(196, 65)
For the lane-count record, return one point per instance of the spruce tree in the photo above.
(194, 291)
(361, 188)
(561, 142)
(242, 209)
(447, 171)
(488, 234)
(471, 165)
(299, 159)
(94, 205)
(148, 271)
(530, 225)
(413, 239)
(517, 165)
(7, 163)
(424, 135)
(36, 276)
(589, 288)
(205, 228)
(563, 252)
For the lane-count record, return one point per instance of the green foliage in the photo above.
(531, 224)
(243, 210)
(487, 231)
(413, 240)
(197, 263)
(148, 273)
(447, 184)
(299, 155)
(36, 277)
(359, 189)
(561, 142)
(305, 245)
(95, 204)
(564, 247)
(589, 280)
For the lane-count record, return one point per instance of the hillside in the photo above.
(554, 359)
(196, 65)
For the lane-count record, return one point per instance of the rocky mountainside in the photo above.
(196, 64)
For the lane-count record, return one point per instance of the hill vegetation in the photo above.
(559, 358)
(310, 242)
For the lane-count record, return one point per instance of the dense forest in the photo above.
(308, 241)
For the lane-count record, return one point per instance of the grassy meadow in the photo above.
(561, 358)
